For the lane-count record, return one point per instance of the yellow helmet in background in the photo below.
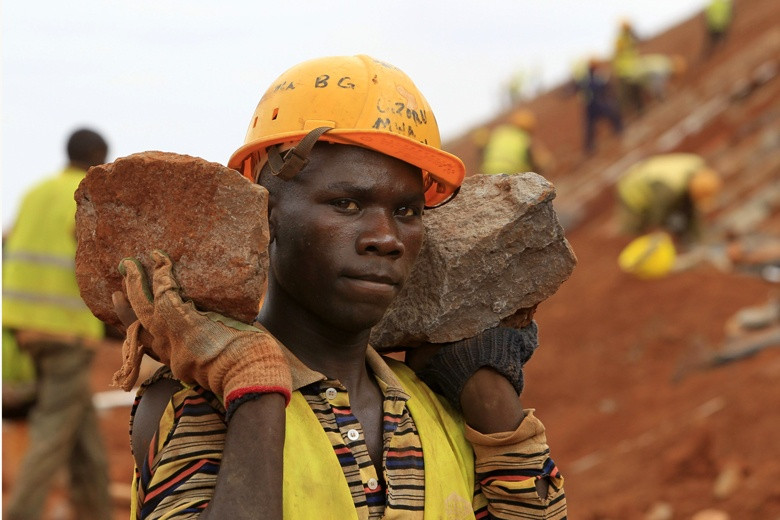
(364, 102)
(524, 119)
(704, 186)
(649, 256)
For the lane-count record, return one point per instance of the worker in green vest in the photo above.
(717, 17)
(625, 64)
(667, 192)
(511, 147)
(43, 307)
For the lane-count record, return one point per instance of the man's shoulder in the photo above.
(163, 402)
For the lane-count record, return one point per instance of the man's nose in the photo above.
(380, 235)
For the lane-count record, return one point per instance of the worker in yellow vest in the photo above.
(511, 147)
(626, 65)
(717, 17)
(669, 192)
(42, 306)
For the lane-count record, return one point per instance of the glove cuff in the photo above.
(241, 395)
(258, 367)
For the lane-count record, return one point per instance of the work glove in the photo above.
(232, 359)
(503, 349)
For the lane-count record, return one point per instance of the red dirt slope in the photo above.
(637, 423)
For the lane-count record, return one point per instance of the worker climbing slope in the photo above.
(511, 147)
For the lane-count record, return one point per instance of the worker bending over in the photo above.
(669, 192)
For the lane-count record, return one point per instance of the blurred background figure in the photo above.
(42, 307)
(625, 64)
(18, 379)
(479, 138)
(598, 99)
(516, 87)
(511, 147)
(655, 71)
(717, 17)
(523, 84)
(668, 192)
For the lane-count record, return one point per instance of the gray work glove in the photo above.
(503, 349)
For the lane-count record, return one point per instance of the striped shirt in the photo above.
(179, 473)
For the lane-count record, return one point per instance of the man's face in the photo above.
(345, 233)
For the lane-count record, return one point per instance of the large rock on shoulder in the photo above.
(210, 220)
(496, 250)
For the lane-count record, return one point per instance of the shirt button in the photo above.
(331, 393)
(372, 484)
(353, 435)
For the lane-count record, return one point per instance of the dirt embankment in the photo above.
(640, 422)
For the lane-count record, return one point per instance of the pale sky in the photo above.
(185, 76)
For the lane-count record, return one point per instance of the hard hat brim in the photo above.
(444, 167)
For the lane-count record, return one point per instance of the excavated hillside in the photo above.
(657, 406)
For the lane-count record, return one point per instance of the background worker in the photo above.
(668, 192)
(362, 436)
(598, 100)
(717, 18)
(625, 64)
(511, 147)
(656, 70)
(42, 306)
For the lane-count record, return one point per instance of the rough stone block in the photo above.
(489, 257)
(210, 220)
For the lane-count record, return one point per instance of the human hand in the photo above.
(230, 358)
(503, 349)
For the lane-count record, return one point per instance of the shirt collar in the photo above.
(302, 375)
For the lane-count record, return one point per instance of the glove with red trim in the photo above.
(232, 359)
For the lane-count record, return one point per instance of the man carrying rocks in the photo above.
(350, 154)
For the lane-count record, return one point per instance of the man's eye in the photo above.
(346, 204)
(408, 211)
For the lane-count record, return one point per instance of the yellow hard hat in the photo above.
(704, 187)
(649, 256)
(365, 102)
(524, 119)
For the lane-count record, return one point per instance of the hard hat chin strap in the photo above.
(296, 158)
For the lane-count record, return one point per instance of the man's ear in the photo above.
(271, 219)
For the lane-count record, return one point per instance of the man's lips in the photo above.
(380, 282)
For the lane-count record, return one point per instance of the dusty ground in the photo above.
(639, 423)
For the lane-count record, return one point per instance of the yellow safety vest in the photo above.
(39, 278)
(507, 151)
(314, 482)
(718, 14)
(626, 59)
(672, 170)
